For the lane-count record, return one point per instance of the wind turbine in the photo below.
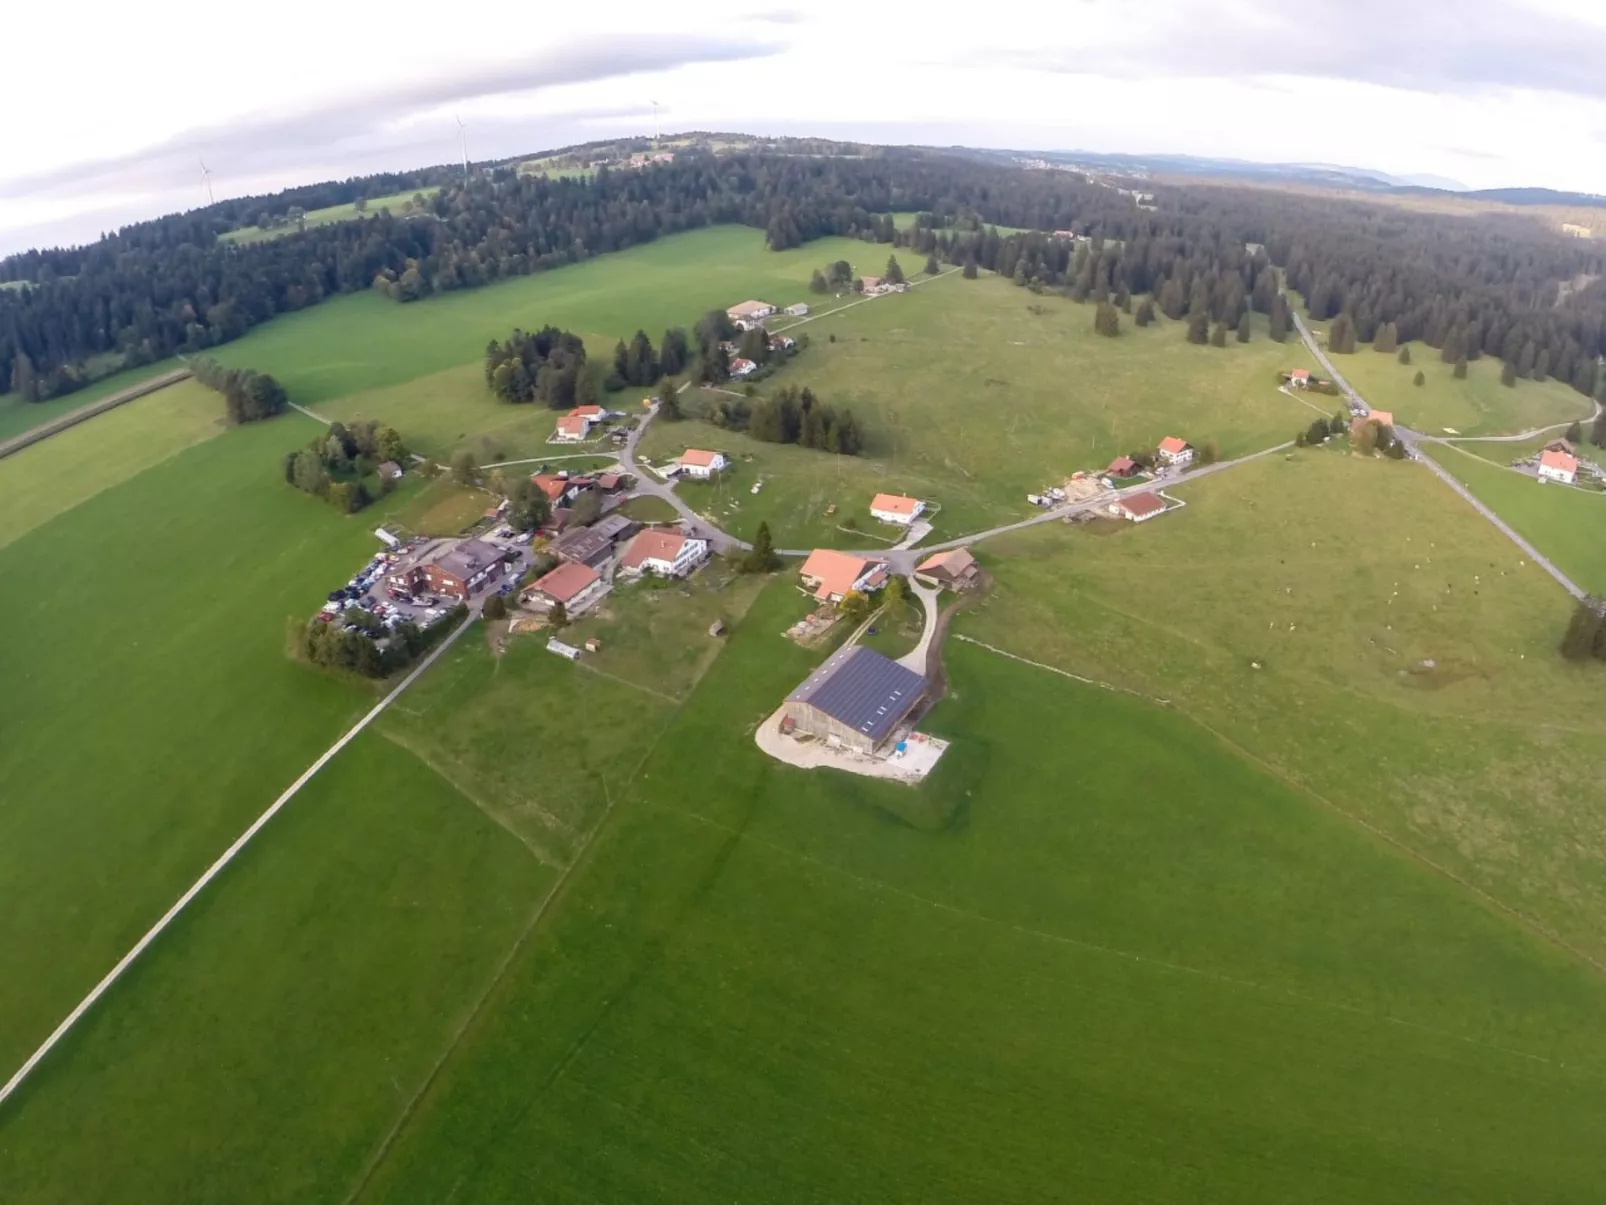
(206, 179)
(655, 125)
(462, 136)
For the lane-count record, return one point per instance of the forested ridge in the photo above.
(1486, 285)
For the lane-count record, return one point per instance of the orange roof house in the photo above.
(1386, 417)
(830, 575)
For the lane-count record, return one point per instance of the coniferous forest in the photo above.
(1468, 286)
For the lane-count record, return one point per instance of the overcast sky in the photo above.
(109, 110)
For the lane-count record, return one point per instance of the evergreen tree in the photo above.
(1243, 328)
(1170, 300)
(761, 557)
(1199, 328)
(817, 283)
(894, 273)
(1107, 319)
(1218, 336)
(495, 608)
(933, 267)
(1575, 434)
(969, 272)
(1460, 372)
(557, 617)
(1419, 379)
(1145, 312)
(1387, 340)
(1584, 631)
(1542, 364)
(1597, 431)
(1341, 335)
(1405, 353)
(1451, 351)
(1508, 374)
(1279, 319)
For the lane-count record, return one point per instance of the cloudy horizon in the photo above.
(1488, 93)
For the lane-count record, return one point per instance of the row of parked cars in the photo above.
(401, 607)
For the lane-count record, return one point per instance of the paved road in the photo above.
(1412, 438)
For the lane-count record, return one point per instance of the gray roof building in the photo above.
(593, 545)
(861, 694)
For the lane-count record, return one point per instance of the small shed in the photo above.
(717, 628)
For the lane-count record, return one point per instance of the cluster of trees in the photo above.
(761, 557)
(249, 396)
(332, 466)
(1465, 286)
(791, 416)
(636, 363)
(351, 642)
(548, 365)
(1585, 639)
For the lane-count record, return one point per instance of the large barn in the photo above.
(857, 698)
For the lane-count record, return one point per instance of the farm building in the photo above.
(1299, 378)
(782, 343)
(701, 464)
(750, 311)
(574, 585)
(1382, 417)
(857, 698)
(593, 545)
(871, 285)
(895, 508)
(571, 428)
(1138, 508)
(560, 491)
(800, 310)
(389, 470)
(1559, 466)
(742, 367)
(1123, 466)
(955, 569)
(1174, 451)
(451, 570)
(663, 553)
(592, 414)
(830, 575)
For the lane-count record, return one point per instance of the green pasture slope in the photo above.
(1567, 525)
(1099, 957)
(56, 474)
(17, 416)
(400, 205)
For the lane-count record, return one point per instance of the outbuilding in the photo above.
(573, 584)
(955, 569)
(1138, 508)
(750, 311)
(857, 698)
(1558, 466)
(701, 464)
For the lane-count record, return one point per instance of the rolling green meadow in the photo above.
(17, 416)
(1325, 925)
(1566, 525)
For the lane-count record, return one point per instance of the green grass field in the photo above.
(973, 394)
(1407, 660)
(1566, 525)
(1131, 968)
(17, 416)
(400, 205)
(74, 465)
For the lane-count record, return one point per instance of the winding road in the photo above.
(1411, 438)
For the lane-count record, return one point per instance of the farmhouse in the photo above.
(574, 585)
(701, 464)
(1558, 466)
(560, 491)
(782, 343)
(664, 553)
(1139, 508)
(593, 545)
(451, 570)
(572, 428)
(742, 367)
(955, 569)
(592, 414)
(895, 508)
(1174, 451)
(857, 698)
(830, 575)
(750, 311)
(390, 470)
(1299, 378)
(1123, 466)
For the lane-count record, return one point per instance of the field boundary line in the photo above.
(1093, 947)
(1064, 673)
(913, 284)
(1535, 927)
(84, 413)
(216, 868)
(559, 888)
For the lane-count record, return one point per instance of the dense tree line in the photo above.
(1466, 286)
(349, 642)
(792, 416)
(1585, 638)
(333, 465)
(248, 395)
(548, 365)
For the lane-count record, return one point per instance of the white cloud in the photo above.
(1488, 91)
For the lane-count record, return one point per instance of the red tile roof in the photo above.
(1299, 374)
(586, 412)
(549, 485)
(1171, 445)
(1122, 465)
(1559, 460)
(895, 504)
(1386, 417)
(956, 561)
(566, 581)
(698, 457)
(655, 545)
(835, 571)
(1142, 504)
(573, 424)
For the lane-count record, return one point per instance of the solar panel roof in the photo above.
(862, 689)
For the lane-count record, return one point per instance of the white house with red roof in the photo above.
(895, 508)
(1174, 451)
(664, 553)
(830, 575)
(574, 584)
(571, 429)
(1299, 377)
(702, 464)
(1138, 508)
(1556, 465)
